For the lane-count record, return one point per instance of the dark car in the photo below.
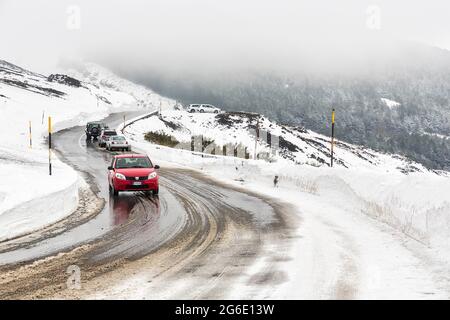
(93, 130)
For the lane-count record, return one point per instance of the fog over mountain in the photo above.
(384, 65)
(206, 36)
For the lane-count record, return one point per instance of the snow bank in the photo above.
(34, 206)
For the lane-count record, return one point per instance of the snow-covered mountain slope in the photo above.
(100, 77)
(276, 143)
(27, 97)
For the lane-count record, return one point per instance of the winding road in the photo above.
(198, 239)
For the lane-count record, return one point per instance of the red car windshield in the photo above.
(124, 163)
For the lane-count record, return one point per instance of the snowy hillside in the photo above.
(291, 144)
(27, 97)
(100, 77)
(363, 184)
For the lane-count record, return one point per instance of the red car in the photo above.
(132, 172)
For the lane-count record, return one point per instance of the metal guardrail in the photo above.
(139, 119)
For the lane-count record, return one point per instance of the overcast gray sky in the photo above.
(181, 34)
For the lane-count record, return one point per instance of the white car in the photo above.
(118, 143)
(104, 136)
(202, 108)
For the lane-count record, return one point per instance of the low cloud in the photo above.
(204, 36)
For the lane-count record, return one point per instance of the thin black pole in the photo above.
(31, 137)
(332, 137)
(256, 137)
(50, 145)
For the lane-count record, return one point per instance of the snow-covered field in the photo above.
(29, 97)
(389, 226)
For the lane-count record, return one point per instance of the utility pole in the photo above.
(50, 146)
(256, 137)
(332, 136)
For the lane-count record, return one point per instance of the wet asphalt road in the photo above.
(195, 228)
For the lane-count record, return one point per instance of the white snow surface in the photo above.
(390, 103)
(26, 96)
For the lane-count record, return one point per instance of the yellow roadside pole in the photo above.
(50, 145)
(332, 136)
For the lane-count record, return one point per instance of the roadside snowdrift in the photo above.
(33, 206)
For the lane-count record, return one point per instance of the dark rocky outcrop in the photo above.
(63, 79)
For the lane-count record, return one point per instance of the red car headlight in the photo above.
(120, 176)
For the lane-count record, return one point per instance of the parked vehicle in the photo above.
(105, 136)
(118, 143)
(132, 172)
(93, 130)
(202, 108)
